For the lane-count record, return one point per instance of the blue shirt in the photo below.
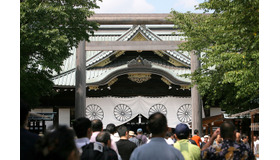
(134, 140)
(156, 149)
(27, 144)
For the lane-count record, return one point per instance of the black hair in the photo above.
(57, 145)
(243, 136)
(195, 131)
(122, 130)
(157, 123)
(81, 126)
(97, 125)
(111, 128)
(227, 129)
(103, 137)
(24, 110)
(168, 134)
(183, 135)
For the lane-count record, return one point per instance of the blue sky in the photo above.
(147, 6)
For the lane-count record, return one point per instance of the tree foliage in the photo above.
(48, 30)
(228, 41)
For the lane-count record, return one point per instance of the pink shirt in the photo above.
(93, 136)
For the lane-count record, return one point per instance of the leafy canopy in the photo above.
(228, 41)
(48, 30)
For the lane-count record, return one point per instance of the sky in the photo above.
(147, 6)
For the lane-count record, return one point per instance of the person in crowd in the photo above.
(104, 138)
(229, 149)
(168, 138)
(245, 140)
(218, 141)
(142, 138)
(157, 148)
(238, 138)
(196, 138)
(132, 138)
(256, 147)
(205, 140)
(149, 137)
(83, 130)
(27, 139)
(192, 141)
(111, 128)
(97, 127)
(188, 150)
(58, 145)
(113, 132)
(173, 137)
(125, 146)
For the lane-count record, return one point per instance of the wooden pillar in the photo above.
(80, 88)
(252, 132)
(44, 126)
(211, 130)
(196, 100)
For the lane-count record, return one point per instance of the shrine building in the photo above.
(131, 71)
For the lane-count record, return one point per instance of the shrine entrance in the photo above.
(138, 122)
(138, 61)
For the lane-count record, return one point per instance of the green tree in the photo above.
(48, 30)
(228, 41)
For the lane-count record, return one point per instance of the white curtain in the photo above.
(119, 110)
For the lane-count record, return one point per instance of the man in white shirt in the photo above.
(168, 139)
(82, 128)
(256, 147)
(111, 128)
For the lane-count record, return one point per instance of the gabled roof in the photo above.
(95, 58)
(132, 33)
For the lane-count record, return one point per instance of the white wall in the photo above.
(215, 111)
(64, 116)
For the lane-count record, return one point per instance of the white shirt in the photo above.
(113, 144)
(115, 137)
(169, 141)
(256, 148)
(80, 142)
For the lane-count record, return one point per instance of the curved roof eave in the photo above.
(170, 75)
(104, 76)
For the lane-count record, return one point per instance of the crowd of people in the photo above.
(87, 140)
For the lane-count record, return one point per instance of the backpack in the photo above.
(93, 151)
(140, 141)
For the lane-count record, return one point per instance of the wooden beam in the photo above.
(132, 45)
(251, 112)
(137, 19)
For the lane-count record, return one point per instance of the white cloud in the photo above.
(124, 6)
(186, 4)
